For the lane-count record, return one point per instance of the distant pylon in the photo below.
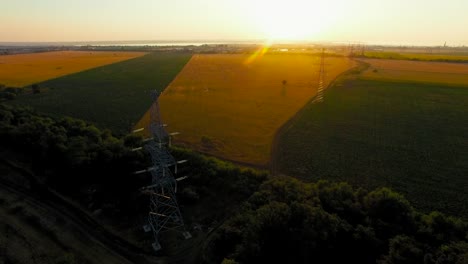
(164, 213)
(351, 50)
(321, 78)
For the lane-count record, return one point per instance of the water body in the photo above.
(136, 43)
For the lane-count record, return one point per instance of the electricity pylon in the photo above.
(321, 78)
(164, 214)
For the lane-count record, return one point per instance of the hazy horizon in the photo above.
(182, 42)
(418, 23)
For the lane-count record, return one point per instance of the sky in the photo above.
(396, 22)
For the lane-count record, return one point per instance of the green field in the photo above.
(462, 57)
(113, 96)
(410, 137)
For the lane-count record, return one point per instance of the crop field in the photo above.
(416, 71)
(417, 56)
(26, 69)
(411, 137)
(113, 96)
(231, 106)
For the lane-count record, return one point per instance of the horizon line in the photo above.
(220, 42)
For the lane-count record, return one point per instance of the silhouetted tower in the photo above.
(351, 50)
(321, 78)
(164, 214)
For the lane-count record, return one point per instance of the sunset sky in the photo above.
(418, 22)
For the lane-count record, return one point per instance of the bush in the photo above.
(7, 95)
(189, 195)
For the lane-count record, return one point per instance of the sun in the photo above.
(292, 19)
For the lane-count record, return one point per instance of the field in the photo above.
(113, 96)
(463, 57)
(411, 137)
(231, 106)
(416, 71)
(26, 69)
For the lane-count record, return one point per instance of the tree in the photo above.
(403, 249)
(35, 88)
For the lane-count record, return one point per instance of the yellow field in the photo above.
(429, 72)
(25, 69)
(230, 106)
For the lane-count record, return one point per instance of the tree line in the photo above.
(96, 168)
(288, 221)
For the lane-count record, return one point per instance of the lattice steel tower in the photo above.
(321, 78)
(164, 214)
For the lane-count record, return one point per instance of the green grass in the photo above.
(410, 137)
(113, 96)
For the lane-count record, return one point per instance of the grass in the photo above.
(230, 106)
(34, 232)
(417, 71)
(26, 69)
(114, 96)
(408, 136)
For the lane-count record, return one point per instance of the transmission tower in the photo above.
(321, 79)
(164, 214)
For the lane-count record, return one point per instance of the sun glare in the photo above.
(293, 19)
